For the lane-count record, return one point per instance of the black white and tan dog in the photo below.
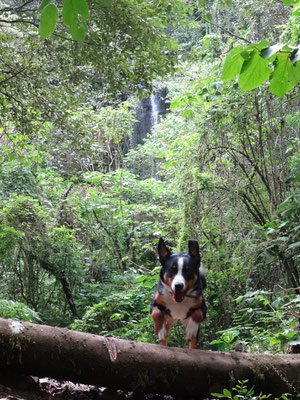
(179, 293)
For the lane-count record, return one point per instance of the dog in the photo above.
(179, 293)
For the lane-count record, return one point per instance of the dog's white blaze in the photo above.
(162, 334)
(179, 277)
(191, 329)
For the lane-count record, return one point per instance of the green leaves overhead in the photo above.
(254, 72)
(255, 65)
(48, 21)
(233, 63)
(285, 75)
(75, 14)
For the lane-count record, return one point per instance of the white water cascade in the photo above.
(154, 101)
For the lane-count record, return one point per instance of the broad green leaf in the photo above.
(258, 46)
(233, 63)
(227, 393)
(246, 54)
(68, 14)
(254, 72)
(262, 44)
(48, 21)
(285, 75)
(270, 51)
(288, 2)
(78, 33)
(43, 5)
(81, 7)
(73, 8)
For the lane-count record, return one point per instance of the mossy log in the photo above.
(46, 351)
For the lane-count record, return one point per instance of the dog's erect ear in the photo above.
(194, 249)
(163, 251)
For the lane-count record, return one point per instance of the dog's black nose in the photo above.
(178, 287)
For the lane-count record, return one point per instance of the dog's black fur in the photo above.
(179, 292)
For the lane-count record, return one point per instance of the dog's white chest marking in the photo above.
(178, 310)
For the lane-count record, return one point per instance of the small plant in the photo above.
(241, 392)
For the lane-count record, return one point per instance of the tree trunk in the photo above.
(62, 354)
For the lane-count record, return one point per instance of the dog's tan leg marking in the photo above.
(162, 325)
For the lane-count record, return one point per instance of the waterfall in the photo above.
(154, 101)
(148, 113)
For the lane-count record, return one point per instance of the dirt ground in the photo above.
(33, 388)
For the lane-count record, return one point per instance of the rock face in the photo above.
(148, 113)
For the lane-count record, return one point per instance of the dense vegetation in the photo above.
(82, 211)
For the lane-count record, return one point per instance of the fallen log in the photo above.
(46, 351)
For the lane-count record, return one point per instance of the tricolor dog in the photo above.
(179, 293)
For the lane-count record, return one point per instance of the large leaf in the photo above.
(72, 10)
(285, 75)
(43, 5)
(254, 72)
(78, 32)
(48, 21)
(233, 63)
(258, 46)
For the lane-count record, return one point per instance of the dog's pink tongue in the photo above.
(178, 296)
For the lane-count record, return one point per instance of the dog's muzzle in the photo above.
(178, 293)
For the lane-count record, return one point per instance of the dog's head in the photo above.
(180, 271)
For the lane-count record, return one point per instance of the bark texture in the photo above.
(62, 354)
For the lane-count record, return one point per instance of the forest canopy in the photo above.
(85, 196)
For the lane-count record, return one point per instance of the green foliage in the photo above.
(264, 323)
(81, 212)
(19, 311)
(48, 21)
(123, 314)
(75, 14)
(251, 63)
(241, 391)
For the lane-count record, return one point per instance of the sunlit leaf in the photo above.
(233, 63)
(254, 72)
(285, 75)
(44, 4)
(48, 21)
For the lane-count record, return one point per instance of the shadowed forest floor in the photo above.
(33, 388)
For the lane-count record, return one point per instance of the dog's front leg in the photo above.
(192, 327)
(162, 325)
